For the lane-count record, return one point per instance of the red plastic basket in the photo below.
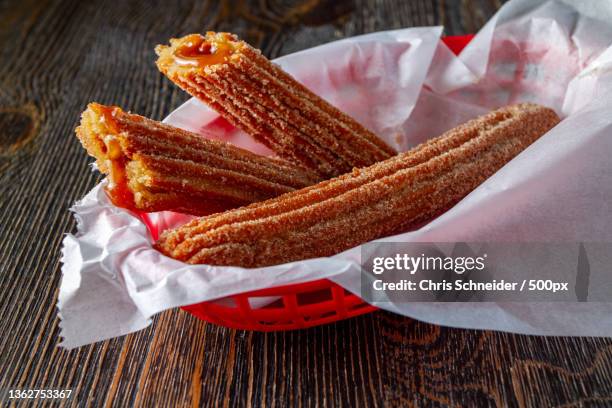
(294, 306)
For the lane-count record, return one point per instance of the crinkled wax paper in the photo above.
(407, 87)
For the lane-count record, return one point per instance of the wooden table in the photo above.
(56, 57)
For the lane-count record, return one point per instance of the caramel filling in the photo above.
(105, 129)
(199, 51)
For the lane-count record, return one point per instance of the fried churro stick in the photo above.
(263, 100)
(386, 198)
(154, 167)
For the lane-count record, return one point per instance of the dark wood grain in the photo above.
(57, 56)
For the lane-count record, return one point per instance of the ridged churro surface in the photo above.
(259, 97)
(386, 198)
(154, 167)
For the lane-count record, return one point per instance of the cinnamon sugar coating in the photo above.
(389, 197)
(154, 167)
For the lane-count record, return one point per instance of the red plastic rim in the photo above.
(294, 306)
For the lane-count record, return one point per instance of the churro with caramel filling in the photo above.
(260, 98)
(153, 167)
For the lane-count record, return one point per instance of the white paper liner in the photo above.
(559, 189)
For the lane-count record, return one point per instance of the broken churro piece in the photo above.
(263, 100)
(154, 167)
(386, 198)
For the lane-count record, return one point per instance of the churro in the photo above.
(389, 197)
(154, 167)
(259, 97)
